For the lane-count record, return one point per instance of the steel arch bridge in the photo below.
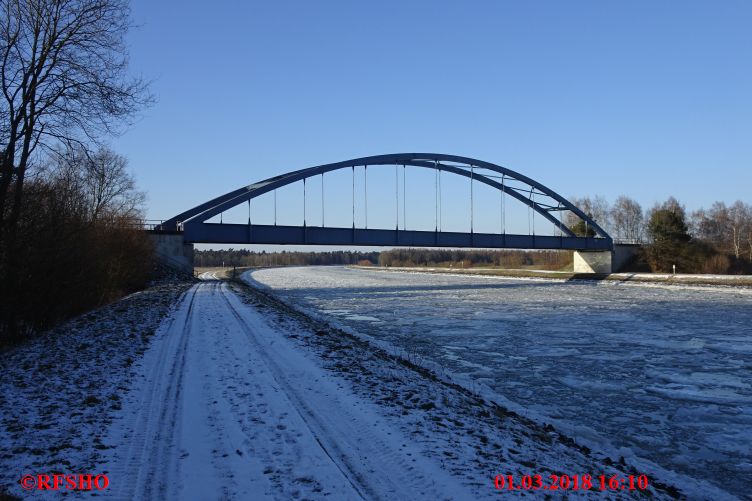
(544, 201)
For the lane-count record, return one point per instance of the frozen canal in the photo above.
(661, 373)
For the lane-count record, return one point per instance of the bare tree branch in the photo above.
(64, 80)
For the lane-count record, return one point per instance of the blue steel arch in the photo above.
(463, 166)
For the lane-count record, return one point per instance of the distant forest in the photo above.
(244, 257)
(549, 260)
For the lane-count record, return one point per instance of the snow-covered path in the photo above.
(225, 407)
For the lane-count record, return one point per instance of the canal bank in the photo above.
(643, 278)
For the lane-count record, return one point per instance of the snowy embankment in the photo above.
(60, 391)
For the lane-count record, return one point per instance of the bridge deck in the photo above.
(316, 235)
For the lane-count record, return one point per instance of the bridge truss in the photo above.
(537, 197)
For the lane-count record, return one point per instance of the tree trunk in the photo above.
(736, 241)
(6, 176)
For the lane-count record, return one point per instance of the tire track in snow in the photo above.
(307, 416)
(147, 460)
(266, 429)
(373, 466)
(210, 437)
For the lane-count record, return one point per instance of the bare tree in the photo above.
(712, 225)
(727, 228)
(695, 223)
(63, 66)
(627, 219)
(102, 180)
(596, 208)
(739, 221)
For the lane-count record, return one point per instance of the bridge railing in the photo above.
(628, 241)
(147, 224)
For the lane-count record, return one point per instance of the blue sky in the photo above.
(648, 99)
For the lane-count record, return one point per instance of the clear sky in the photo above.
(644, 98)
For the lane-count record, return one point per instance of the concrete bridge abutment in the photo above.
(602, 262)
(592, 262)
(171, 249)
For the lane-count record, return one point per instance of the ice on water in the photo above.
(662, 371)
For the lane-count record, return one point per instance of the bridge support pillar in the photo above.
(592, 262)
(171, 249)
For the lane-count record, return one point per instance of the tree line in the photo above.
(68, 205)
(247, 258)
(549, 260)
(552, 260)
(714, 240)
